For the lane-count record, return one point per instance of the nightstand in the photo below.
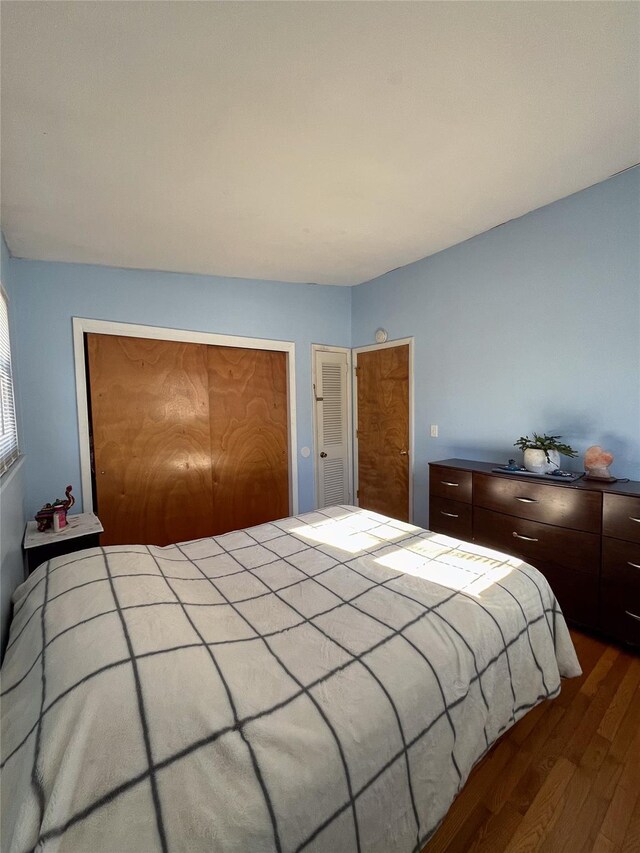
(82, 531)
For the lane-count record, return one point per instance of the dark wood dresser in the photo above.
(583, 536)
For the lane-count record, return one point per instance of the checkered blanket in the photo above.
(320, 683)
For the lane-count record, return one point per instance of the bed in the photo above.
(320, 683)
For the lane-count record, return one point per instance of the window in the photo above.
(8, 427)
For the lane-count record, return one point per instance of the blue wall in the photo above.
(48, 295)
(534, 325)
(12, 484)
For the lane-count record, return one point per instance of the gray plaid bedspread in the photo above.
(320, 683)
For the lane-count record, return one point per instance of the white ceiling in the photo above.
(324, 142)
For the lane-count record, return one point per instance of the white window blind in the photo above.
(8, 427)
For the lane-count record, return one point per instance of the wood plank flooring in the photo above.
(566, 778)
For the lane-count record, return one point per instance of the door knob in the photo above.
(323, 455)
(403, 453)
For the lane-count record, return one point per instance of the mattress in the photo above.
(321, 683)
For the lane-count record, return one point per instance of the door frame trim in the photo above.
(397, 343)
(81, 325)
(315, 348)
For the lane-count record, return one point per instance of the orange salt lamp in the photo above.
(596, 464)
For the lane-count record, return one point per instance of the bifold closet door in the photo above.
(151, 439)
(189, 440)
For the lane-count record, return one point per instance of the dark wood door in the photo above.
(189, 440)
(383, 430)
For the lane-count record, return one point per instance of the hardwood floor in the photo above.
(566, 778)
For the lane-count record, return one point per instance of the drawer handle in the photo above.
(528, 500)
(447, 483)
(633, 565)
(631, 518)
(449, 514)
(527, 538)
(633, 615)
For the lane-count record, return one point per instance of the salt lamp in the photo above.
(596, 464)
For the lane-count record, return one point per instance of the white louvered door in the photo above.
(332, 425)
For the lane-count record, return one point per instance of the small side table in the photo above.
(82, 531)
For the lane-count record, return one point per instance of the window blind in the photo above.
(8, 426)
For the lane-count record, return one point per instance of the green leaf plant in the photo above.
(545, 442)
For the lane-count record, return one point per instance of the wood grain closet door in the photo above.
(383, 431)
(151, 439)
(249, 436)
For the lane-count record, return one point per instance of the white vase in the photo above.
(535, 460)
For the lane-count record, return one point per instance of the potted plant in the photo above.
(542, 452)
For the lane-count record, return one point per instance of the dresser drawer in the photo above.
(450, 483)
(621, 563)
(620, 590)
(548, 503)
(537, 543)
(450, 517)
(621, 517)
(619, 616)
(577, 593)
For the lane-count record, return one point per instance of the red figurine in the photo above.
(45, 516)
